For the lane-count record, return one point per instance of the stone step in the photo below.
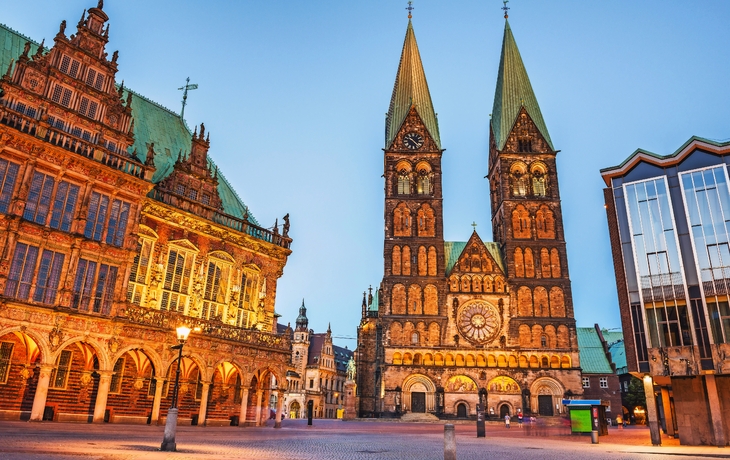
(416, 417)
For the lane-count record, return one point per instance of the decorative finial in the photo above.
(474, 224)
(505, 8)
(410, 8)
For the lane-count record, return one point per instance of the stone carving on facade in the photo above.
(55, 337)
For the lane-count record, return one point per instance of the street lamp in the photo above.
(168, 441)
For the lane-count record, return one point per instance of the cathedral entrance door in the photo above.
(461, 410)
(503, 410)
(545, 405)
(418, 402)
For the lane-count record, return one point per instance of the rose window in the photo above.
(479, 322)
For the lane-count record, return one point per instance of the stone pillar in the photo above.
(203, 403)
(41, 393)
(159, 383)
(259, 394)
(102, 394)
(244, 408)
(279, 408)
(715, 411)
(667, 409)
(350, 401)
(651, 411)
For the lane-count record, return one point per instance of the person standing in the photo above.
(519, 419)
(506, 420)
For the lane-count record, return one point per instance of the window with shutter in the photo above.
(138, 274)
(21, 271)
(90, 77)
(216, 289)
(99, 82)
(64, 206)
(104, 292)
(8, 175)
(176, 287)
(74, 70)
(49, 274)
(65, 64)
(84, 105)
(91, 296)
(85, 272)
(39, 198)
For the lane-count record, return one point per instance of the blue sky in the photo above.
(294, 95)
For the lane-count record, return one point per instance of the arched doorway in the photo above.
(461, 411)
(294, 410)
(504, 409)
(546, 396)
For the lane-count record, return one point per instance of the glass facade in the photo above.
(657, 259)
(707, 203)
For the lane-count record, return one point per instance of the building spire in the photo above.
(513, 92)
(302, 320)
(505, 8)
(410, 8)
(410, 89)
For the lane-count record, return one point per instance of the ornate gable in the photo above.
(476, 258)
(525, 137)
(413, 123)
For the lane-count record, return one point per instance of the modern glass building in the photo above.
(669, 225)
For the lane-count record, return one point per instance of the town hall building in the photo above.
(460, 323)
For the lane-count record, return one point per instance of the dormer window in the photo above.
(193, 194)
(88, 107)
(180, 189)
(61, 95)
(69, 66)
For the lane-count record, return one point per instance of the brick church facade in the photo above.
(116, 227)
(456, 324)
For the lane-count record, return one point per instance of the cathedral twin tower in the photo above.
(456, 324)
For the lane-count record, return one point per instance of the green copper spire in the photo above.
(513, 92)
(410, 89)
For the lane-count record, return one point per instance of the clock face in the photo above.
(413, 141)
(478, 321)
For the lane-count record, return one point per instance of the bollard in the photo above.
(594, 437)
(449, 442)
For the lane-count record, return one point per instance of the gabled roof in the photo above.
(593, 359)
(454, 249)
(641, 155)
(513, 92)
(410, 89)
(153, 123)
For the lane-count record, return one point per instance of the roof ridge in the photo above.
(221, 176)
(10, 29)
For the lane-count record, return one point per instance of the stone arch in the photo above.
(545, 267)
(428, 359)
(466, 283)
(521, 228)
(397, 358)
(398, 300)
(432, 262)
(555, 362)
(102, 355)
(422, 384)
(541, 302)
(534, 362)
(563, 337)
(460, 362)
(415, 305)
(498, 284)
(538, 171)
(422, 261)
(503, 384)
(488, 284)
(454, 283)
(151, 354)
(261, 374)
(525, 336)
(426, 221)
(512, 361)
(403, 170)
(565, 362)
(401, 220)
(449, 359)
(406, 260)
(529, 264)
(524, 301)
(536, 335)
(545, 361)
(194, 358)
(518, 178)
(40, 341)
(555, 263)
(417, 359)
(396, 333)
(523, 361)
(486, 264)
(438, 359)
(481, 360)
(408, 329)
(491, 361)
(501, 361)
(434, 333)
(545, 223)
(407, 359)
(431, 296)
(396, 260)
(544, 386)
(551, 335)
(557, 303)
(476, 283)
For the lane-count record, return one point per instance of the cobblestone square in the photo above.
(329, 439)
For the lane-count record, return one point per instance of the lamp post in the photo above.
(168, 442)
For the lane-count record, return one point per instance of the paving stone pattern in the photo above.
(328, 439)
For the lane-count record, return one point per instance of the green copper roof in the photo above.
(152, 123)
(593, 358)
(513, 92)
(453, 249)
(410, 88)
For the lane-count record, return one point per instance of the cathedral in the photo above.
(115, 228)
(455, 324)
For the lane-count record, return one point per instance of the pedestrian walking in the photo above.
(519, 419)
(506, 420)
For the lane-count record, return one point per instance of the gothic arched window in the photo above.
(545, 223)
(518, 179)
(521, 223)
(539, 179)
(426, 221)
(402, 220)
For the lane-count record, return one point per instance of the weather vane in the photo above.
(185, 89)
(505, 8)
(410, 8)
